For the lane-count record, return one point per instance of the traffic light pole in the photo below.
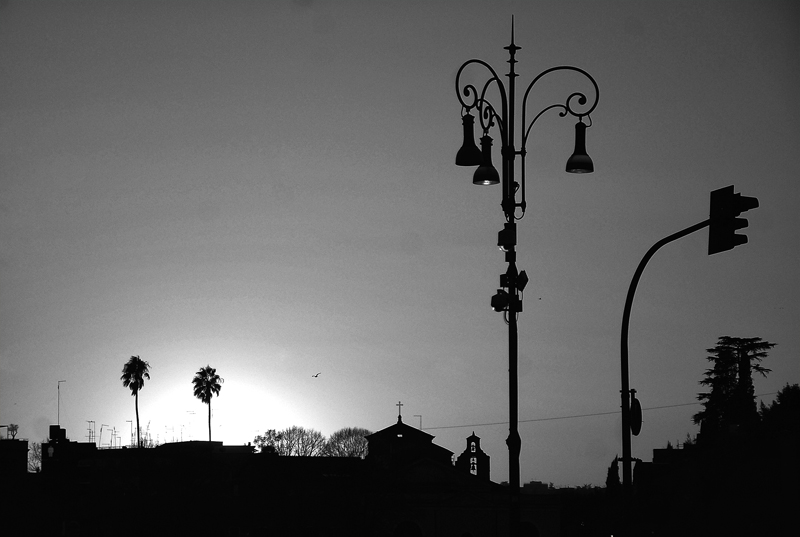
(627, 460)
(626, 317)
(726, 206)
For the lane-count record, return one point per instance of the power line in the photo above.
(572, 416)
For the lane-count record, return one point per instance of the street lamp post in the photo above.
(501, 120)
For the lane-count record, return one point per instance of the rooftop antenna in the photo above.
(420, 420)
(59, 402)
(91, 435)
(191, 429)
(100, 441)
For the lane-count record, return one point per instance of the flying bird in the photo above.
(315, 376)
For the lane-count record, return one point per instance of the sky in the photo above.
(270, 188)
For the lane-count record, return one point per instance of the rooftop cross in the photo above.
(399, 411)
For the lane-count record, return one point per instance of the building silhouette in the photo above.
(406, 485)
(473, 460)
(401, 444)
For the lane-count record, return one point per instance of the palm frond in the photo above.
(207, 383)
(134, 372)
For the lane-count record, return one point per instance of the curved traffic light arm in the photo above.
(626, 317)
(726, 206)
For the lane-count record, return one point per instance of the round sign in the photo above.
(636, 415)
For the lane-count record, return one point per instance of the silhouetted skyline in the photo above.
(270, 188)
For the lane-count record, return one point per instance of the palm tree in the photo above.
(133, 374)
(206, 385)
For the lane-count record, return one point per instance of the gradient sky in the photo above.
(270, 188)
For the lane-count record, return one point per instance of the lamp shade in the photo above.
(580, 162)
(486, 174)
(469, 154)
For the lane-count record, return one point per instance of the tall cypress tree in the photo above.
(731, 401)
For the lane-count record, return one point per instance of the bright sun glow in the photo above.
(239, 413)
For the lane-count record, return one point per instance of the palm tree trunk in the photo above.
(138, 431)
(209, 421)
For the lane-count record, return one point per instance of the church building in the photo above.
(400, 444)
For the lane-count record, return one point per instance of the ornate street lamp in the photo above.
(500, 120)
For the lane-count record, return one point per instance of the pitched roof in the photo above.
(401, 430)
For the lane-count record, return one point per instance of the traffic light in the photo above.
(725, 209)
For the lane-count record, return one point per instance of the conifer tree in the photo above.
(730, 403)
(613, 484)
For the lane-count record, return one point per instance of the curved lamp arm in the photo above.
(566, 107)
(486, 111)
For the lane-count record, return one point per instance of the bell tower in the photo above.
(473, 460)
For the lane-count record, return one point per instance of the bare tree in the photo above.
(269, 442)
(294, 441)
(35, 456)
(347, 442)
(303, 442)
